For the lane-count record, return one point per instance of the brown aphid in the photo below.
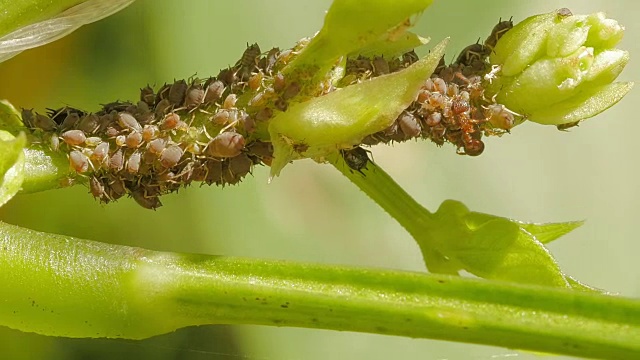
(255, 81)
(214, 171)
(471, 54)
(93, 141)
(162, 107)
(380, 66)
(240, 166)
(279, 82)
(177, 92)
(133, 163)
(500, 117)
(147, 95)
(116, 161)
(156, 146)
(270, 60)
(127, 121)
(230, 101)
(170, 121)
(564, 12)
(78, 161)
(146, 200)
(264, 114)
(214, 91)
(248, 61)
(43, 122)
(70, 121)
(133, 140)
(473, 147)
(149, 132)
(221, 117)
(115, 189)
(356, 159)
(498, 31)
(564, 127)
(227, 76)
(170, 156)
(409, 125)
(73, 137)
(105, 121)
(433, 119)
(97, 189)
(247, 122)
(281, 104)
(290, 91)
(89, 124)
(227, 144)
(111, 132)
(195, 96)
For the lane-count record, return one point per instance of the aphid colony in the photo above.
(213, 131)
(451, 106)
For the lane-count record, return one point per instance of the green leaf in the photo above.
(352, 24)
(11, 165)
(488, 246)
(342, 118)
(546, 233)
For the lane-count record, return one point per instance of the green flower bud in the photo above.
(559, 68)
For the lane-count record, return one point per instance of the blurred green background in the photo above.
(311, 213)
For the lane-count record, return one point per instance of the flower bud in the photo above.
(559, 68)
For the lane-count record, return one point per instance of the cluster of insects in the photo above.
(213, 131)
(451, 106)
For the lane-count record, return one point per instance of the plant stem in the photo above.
(57, 285)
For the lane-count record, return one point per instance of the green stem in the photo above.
(57, 285)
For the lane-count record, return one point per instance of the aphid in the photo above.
(263, 150)
(111, 132)
(133, 164)
(133, 140)
(121, 140)
(150, 132)
(177, 92)
(255, 81)
(564, 127)
(170, 156)
(157, 145)
(279, 82)
(270, 60)
(248, 123)
(101, 152)
(93, 141)
(73, 137)
(221, 117)
(195, 96)
(227, 144)
(97, 188)
(170, 121)
(147, 95)
(127, 121)
(162, 107)
(439, 85)
(230, 101)
(145, 200)
(54, 142)
(356, 158)
(247, 62)
(499, 30)
(281, 104)
(78, 161)
(258, 100)
(115, 189)
(409, 125)
(43, 122)
(380, 66)
(240, 165)
(433, 119)
(214, 171)
(473, 147)
(227, 76)
(564, 12)
(116, 161)
(290, 91)
(471, 54)
(89, 124)
(284, 57)
(264, 114)
(214, 91)
(70, 121)
(500, 117)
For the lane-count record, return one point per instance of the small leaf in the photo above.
(546, 233)
(352, 24)
(342, 118)
(11, 165)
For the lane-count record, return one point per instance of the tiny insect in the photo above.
(227, 144)
(498, 31)
(177, 92)
(565, 127)
(78, 161)
(248, 61)
(127, 121)
(356, 159)
(73, 137)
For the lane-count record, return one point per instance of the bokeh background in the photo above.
(312, 213)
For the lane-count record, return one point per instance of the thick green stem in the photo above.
(56, 285)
